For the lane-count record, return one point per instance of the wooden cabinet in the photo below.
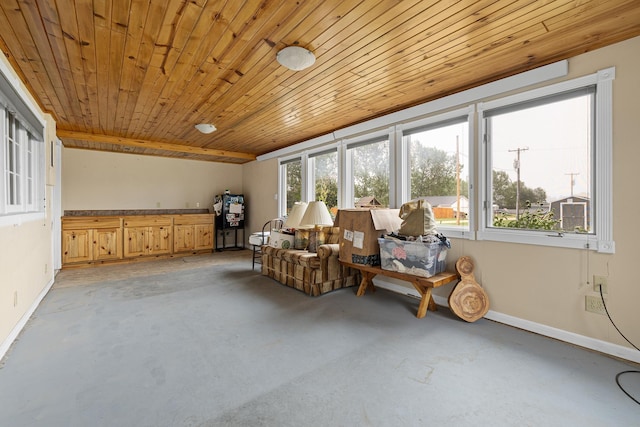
(147, 235)
(107, 243)
(203, 236)
(102, 239)
(91, 239)
(77, 246)
(193, 232)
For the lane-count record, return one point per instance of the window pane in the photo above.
(13, 162)
(30, 173)
(541, 160)
(293, 175)
(325, 167)
(439, 172)
(370, 171)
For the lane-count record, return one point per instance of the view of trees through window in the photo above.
(293, 174)
(438, 159)
(325, 170)
(541, 160)
(370, 169)
(539, 152)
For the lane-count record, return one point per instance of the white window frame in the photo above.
(345, 159)
(30, 134)
(602, 199)
(311, 169)
(28, 165)
(282, 181)
(404, 171)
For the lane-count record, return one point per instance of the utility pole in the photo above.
(516, 166)
(573, 181)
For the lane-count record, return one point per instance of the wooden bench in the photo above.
(423, 285)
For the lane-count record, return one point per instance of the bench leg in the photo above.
(365, 283)
(426, 302)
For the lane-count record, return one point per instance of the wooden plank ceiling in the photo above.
(135, 76)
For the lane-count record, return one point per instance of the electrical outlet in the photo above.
(600, 282)
(593, 304)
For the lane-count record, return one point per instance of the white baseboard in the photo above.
(538, 328)
(6, 344)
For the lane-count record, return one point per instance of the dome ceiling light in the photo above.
(205, 127)
(296, 58)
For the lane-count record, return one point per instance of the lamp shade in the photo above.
(295, 216)
(317, 213)
(296, 58)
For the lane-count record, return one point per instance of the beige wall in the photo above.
(260, 189)
(547, 286)
(26, 249)
(97, 180)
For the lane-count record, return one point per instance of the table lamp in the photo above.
(295, 216)
(316, 216)
(292, 224)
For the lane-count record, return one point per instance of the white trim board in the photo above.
(6, 344)
(537, 328)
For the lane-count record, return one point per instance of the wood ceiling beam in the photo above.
(153, 145)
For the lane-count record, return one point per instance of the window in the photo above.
(541, 158)
(367, 177)
(543, 162)
(21, 152)
(540, 154)
(290, 184)
(13, 167)
(436, 153)
(324, 168)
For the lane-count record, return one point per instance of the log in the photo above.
(469, 301)
(465, 266)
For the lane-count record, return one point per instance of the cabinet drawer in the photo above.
(193, 219)
(93, 222)
(147, 221)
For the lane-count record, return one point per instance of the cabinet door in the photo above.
(183, 238)
(203, 236)
(77, 246)
(135, 241)
(107, 244)
(159, 240)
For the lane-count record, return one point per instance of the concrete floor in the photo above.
(205, 341)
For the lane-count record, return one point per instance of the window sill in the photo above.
(549, 238)
(17, 219)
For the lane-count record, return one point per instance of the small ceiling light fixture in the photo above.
(205, 127)
(296, 58)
